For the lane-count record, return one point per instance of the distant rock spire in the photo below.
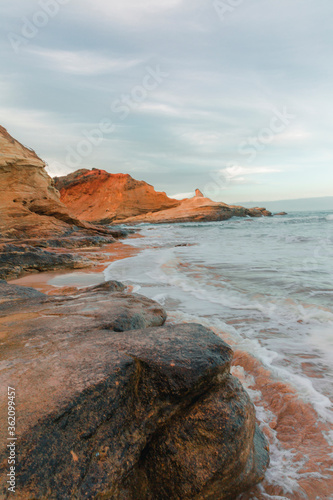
(198, 194)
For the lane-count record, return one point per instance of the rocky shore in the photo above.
(111, 403)
(37, 222)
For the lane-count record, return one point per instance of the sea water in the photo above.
(265, 285)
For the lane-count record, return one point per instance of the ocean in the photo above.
(265, 286)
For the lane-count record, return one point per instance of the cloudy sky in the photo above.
(231, 96)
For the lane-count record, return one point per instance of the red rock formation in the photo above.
(198, 193)
(96, 195)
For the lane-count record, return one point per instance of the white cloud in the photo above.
(133, 11)
(83, 62)
(236, 171)
(57, 169)
(158, 109)
(181, 196)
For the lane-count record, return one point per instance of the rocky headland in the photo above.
(43, 221)
(96, 195)
(122, 199)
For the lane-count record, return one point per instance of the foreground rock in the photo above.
(96, 195)
(108, 408)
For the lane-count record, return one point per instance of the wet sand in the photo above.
(61, 280)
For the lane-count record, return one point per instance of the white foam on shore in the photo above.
(158, 274)
(253, 286)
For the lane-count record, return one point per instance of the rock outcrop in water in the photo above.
(198, 209)
(111, 404)
(96, 195)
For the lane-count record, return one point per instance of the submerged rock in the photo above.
(110, 404)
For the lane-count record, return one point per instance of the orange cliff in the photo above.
(30, 204)
(96, 195)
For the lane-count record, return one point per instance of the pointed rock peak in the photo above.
(198, 194)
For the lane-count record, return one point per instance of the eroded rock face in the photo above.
(96, 195)
(30, 204)
(109, 408)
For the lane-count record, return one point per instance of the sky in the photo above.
(230, 96)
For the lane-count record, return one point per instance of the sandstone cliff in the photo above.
(30, 204)
(94, 195)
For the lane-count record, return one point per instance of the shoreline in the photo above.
(81, 278)
(275, 394)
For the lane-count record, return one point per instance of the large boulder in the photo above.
(111, 404)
